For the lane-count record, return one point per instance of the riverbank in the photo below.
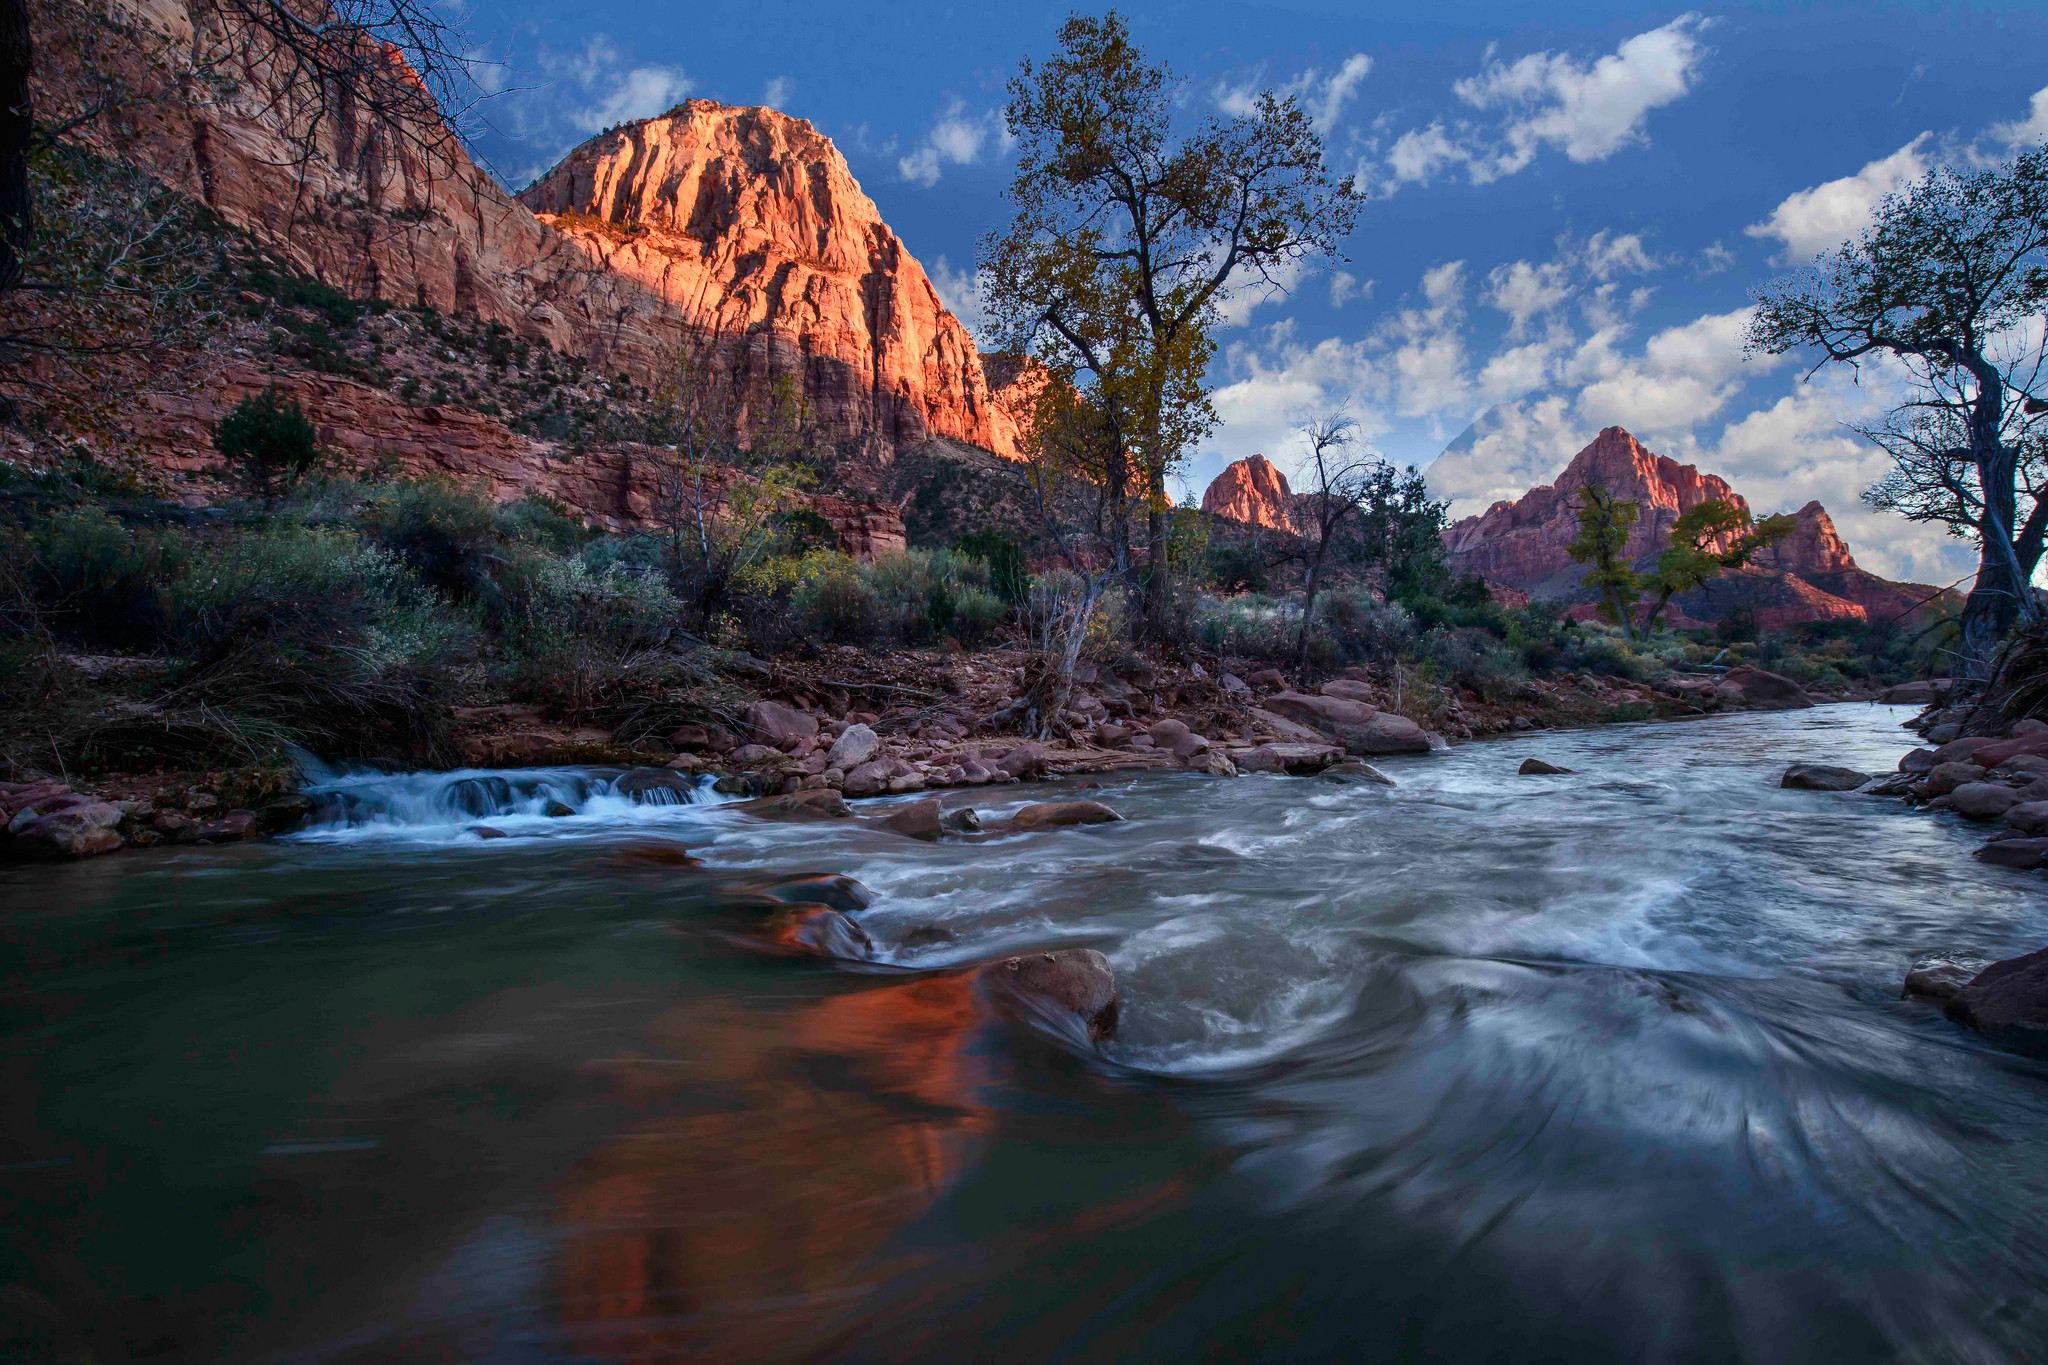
(940, 719)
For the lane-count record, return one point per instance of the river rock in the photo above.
(918, 820)
(1960, 749)
(824, 933)
(1944, 778)
(1763, 690)
(1536, 767)
(1177, 739)
(1214, 762)
(779, 726)
(1356, 770)
(1940, 981)
(1232, 683)
(1982, 800)
(819, 803)
(1285, 730)
(2028, 817)
(2021, 853)
(1991, 754)
(1918, 761)
(2008, 999)
(857, 744)
(1822, 777)
(1266, 680)
(1026, 760)
(1299, 760)
(1324, 713)
(1350, 689)
(1917, 693)
(654, 786)
(488, 832)
(1072, 986)
(234, 826)
(81, 830)
(1384, 733)
(869, 779)
(1056, 814)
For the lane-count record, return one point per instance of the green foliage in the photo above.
(98, 580)
(269, 437)
(1707, 539)
(1009, 574)
(1604, 522)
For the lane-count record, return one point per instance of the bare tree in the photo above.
(1334, 476)
(1950, 280)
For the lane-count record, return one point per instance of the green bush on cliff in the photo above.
(270, 438)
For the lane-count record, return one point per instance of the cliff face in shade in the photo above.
(740, 232)
(749, 224)
(1254, 492)
(1809, 576)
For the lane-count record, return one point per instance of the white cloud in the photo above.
(1245, 292)
(1817, 219)
(1324, 97)
(777, 92)
(1716, 259)
(1525, 292)
(2028, 132)
(1589, 112)
(1344, 287)
(583, 92)
(1608, 255)
(961, 293)
(957, 139)
(1419, 154)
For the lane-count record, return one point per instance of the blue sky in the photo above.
(1568, 212)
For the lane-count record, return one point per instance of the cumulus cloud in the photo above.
(1716, 259)
(961, 292)
(1344, 287)
(582, 92)
(2027, 132)
(1419, 153)
(1817, 219)
(956, 139)
(777, 92)
(1323, 96)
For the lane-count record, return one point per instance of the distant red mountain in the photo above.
(1809, 576)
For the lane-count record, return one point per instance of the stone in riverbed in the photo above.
(1958, 750)
(1356, 770)
(1764, 690)
(918, 820)
(817, 804)
(1939, 980)
(83, 830)
(1918, 761)
(1324, 713)
(1822, 777)
(1982, 800)
(1944, 778)
(779, 726)
(2009, 1000)
(1073, 986)
(1384, 733)
(856, 745)
(2029, 817)
(1536, 767)
(1057, 814)
(1350, 689)
(2020, 853)
(1300, 760)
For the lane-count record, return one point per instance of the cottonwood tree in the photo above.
(1127, 235)
(1708, 540)
(1951, 281)
(1604, 524)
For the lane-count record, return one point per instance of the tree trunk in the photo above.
(17, 122)
(1157, 579)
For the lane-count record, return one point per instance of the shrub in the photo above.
(1009, 574)
(833, 602)
(269, 438)
(444, 531)
(100, 581)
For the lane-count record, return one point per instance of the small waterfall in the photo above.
(430, 802)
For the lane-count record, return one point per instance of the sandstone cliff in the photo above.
(1252, 491)
(733, 231)
(1809, 576)
(749, 224)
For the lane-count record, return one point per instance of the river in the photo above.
(1601, 1067)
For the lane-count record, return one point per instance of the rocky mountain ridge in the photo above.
(1809, 576)
(1252, 491)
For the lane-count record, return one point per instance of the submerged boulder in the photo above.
(1357, 770)
(1056, 814)
(2020, 853)
(1822, 777)
(1067, 989)
(819, 803)
(1299, 760)
(2009, 1000)
(1536, 767)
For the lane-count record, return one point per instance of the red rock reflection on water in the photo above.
(749, 1231)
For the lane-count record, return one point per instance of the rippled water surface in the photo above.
(1479, 1067)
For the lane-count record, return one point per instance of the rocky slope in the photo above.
(737, 232)
(1252, 491)
(1809, 576)
(749, 224)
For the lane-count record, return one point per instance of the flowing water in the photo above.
(1479, 1067)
